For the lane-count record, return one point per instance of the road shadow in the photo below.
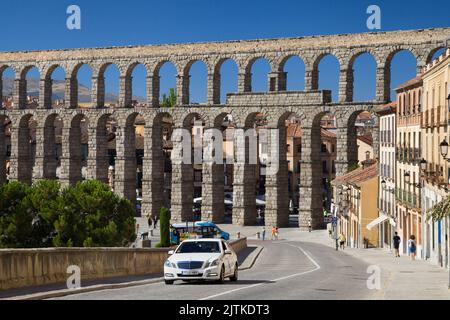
(62, 286)
(244, 253)
(239, 282)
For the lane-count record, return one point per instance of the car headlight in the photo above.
(169, 264)
(214, 263)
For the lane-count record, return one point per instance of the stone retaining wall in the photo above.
(21, 268)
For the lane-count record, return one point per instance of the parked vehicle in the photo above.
(196, 230)
(201, 259)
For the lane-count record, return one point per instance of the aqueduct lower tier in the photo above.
(277, 108)
(276, 105)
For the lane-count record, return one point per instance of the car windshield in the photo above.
(199, 247)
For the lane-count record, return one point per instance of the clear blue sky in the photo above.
(42, 25)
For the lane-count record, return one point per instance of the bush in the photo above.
(87, 215)
(164, 226)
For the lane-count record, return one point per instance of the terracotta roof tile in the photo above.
(358, 176)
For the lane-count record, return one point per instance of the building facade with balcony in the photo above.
(355, 194)
(387, 164)
(408, 139)
(435, 119)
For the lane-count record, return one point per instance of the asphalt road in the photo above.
(284, 270)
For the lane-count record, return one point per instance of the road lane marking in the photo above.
(316, 265)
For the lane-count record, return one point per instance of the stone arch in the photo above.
(47, 93)
(217, 79)
(388, 65)
(280, 73)
(432, 52)
(155, 86)
(187, 81)
(248, 79)
(127, 82)
(3, 68)
(72, 92)
(99, 83)
(23, 85)
(349, 73)
(315, 84)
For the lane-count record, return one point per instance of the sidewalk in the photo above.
(401, 278)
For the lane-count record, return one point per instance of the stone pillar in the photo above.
(153, 171)
(347, 149)
(71, 93)
(310, 203)
(346, 85)
(1, 90)
(45, 93)
(311, 78)
(244, 82)
(98, 92)
(21, 161)
(277, 193)
(277, 81)
(183, 89)
(153, 83)
(38, 169)
(244, 184)
(20, 93)
(125, 170)
(50, 161)
(214, 88)
(14, 158)
(3, 149)
(98, 159)
(71, 164)
(182, 185)
(383, 84)
(126, 92)
(213, 180)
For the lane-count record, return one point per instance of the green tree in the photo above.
(44, 203)
(92, 215)
(164, 226)
(15, 216)
(440, 211)
(169, 101)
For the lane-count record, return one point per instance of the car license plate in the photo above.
(190, 273)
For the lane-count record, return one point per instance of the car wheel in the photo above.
(234, 277)
(168, 282)
(222, 275)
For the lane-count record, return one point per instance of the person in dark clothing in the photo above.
(396, 245)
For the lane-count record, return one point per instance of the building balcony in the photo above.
(408, 198)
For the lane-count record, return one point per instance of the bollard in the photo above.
(258, 235)
(238, 235)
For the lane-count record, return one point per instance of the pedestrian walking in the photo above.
(155, 221)
(309, 226)
(263, 233)
(342, 240)
(150, 222)
(273, 233)
(276, 233)
(396, 241)
(412, 247)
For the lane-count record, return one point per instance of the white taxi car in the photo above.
(201, 259)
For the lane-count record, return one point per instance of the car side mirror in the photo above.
(171, 252)
(227, 251)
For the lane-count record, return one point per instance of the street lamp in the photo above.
(423, 165)
(407, 177)
(443, 148)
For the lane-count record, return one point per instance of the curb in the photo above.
(254, 256)
(67, 292)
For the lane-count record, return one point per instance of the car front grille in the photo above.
(190, 264)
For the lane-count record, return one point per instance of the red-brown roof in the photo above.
(387, 108)
(367, 139)
(410, 83)
(358, 176)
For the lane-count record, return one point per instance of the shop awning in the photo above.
(377, 221)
